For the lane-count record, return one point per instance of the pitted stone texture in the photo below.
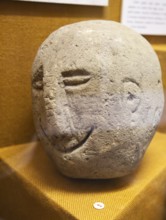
(97, 98)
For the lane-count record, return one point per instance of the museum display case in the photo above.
(31, 187)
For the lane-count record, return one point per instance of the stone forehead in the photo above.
(108, 43)
(96, 36)
(93, 33)
(95, 27)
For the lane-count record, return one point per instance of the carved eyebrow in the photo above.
(75, 77)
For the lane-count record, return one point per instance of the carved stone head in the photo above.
(97, 98)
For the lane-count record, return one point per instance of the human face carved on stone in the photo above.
(96, 91)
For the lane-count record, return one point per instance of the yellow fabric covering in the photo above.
(31, 188)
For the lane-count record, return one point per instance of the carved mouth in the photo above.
(81, 143)
(73, 147)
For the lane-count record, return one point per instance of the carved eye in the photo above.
(75, 78)
(37, 79)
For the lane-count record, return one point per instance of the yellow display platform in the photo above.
(31, 188)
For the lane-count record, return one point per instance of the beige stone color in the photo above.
(97, 98)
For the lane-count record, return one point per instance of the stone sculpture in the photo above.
(97, 98)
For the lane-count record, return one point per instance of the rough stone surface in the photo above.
(97, 98)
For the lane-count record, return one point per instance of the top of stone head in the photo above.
(97, 98)
(96, 42)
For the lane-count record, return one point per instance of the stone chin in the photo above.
(89, 159)
(96, 165)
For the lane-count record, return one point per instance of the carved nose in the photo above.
(58, 116)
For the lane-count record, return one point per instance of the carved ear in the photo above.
(132, 94)
(37, 79)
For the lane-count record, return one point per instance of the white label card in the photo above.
(145, 16)
(76, 2)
